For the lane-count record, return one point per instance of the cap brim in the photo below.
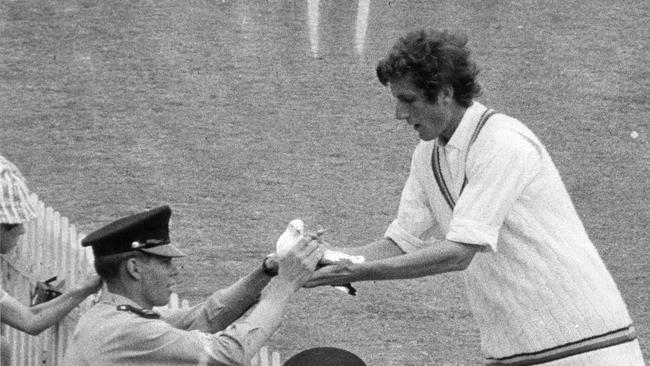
(167, 250)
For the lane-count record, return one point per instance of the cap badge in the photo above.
(150, 242)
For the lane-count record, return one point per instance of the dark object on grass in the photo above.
(325, 356)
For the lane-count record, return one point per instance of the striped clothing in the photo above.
(16, 205)
(538, 282)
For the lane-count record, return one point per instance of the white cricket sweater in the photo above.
(539, 282)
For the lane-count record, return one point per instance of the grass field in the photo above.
(243, 115)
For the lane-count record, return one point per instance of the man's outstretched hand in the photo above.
(336, 274)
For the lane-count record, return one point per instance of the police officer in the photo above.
(134, 257)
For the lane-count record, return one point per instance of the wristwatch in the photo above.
(268, 270)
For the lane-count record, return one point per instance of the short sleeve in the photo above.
(500, 166)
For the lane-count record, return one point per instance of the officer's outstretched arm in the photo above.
(223, 307)
(294, 270)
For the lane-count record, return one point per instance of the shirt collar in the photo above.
(460, 139)
(114, 299)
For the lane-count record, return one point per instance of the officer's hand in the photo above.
(300, 262)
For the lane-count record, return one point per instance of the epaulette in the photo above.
(145, 313)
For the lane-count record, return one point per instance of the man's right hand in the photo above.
(300, 262)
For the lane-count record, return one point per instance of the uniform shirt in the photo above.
(106, 336)
(538, 281)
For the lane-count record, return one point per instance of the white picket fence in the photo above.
(51, 247)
